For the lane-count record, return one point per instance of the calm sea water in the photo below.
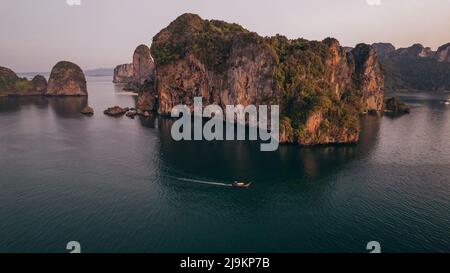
(111, 184)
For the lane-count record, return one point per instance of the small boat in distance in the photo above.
(237, 184)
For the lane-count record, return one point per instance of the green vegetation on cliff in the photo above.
(394, 105)
(304, 89)
(409, 72)
(209, 41)
(12, 85)
(416, 67)
(8, 80)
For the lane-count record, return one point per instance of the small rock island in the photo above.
(139, 76)
(12, 85)
(66, 79)
(135, 74)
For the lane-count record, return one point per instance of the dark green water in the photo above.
(109, 184)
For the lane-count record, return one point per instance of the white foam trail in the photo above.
(201, 181)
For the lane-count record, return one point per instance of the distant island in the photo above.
(416, 67)
(66, 79)
(96, 72)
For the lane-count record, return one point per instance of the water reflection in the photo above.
(64, 107)
(226, 160)
(231, 160)
(68, 107)
(14, 104)
(149, 122)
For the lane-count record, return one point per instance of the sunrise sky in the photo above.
(35, 35)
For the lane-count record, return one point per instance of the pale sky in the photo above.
(35, 34)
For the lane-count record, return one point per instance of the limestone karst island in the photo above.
(196, 131)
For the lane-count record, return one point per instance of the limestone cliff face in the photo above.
(339, 67)
(369, 77)
(12, 85)
(321, 101)
(66, 79)
(180, 82)
(144, 79)
(321, 88)
(231, 66)
(137, 74)
(39, 84)
(143, 66)
(148, 98)
(123, 73)
(248, 79)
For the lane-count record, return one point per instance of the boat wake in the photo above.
(200, 181)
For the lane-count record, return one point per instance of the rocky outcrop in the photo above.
(369, 77)
(12, 85)
(223, 63)
(147, 98)
(131, 114)
(66, 79)
(7, 75)
(321, 88)
(115, 111)
(383, 49)
(8, 80)
(137, 74)
(123, 73)
(88, 111)
(395, 106)
(39, 84)
(143, 66)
